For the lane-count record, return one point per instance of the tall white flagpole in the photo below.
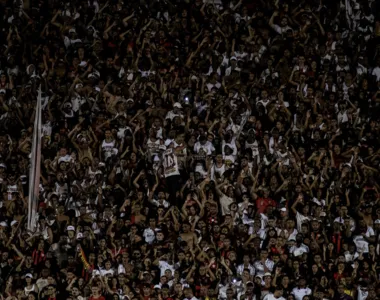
(35, 166)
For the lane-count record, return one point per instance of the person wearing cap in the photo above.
(176, 112)
(376, 226)
(30, 285)
(267, 284)
(70, 233)
(233, 66)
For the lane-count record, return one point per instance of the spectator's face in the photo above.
(185, 228)
(341, 289)
(107, 265)
(226, 243)
(230, 192)
(188, 293)
(315, 225)
(160, 236)
(95, 290)
(75, 292)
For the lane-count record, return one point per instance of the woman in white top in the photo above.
(108, 146)
(30, 285)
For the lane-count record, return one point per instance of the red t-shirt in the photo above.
(262, 204)
(98, 298)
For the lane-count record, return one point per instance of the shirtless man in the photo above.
(189, 237)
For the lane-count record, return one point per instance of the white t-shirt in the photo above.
(280, 29)
(47, 129)
(149, 235)
(225, 203)
(297, 251)
(300, 219)
(66, 158)
(163, 265)
(300, 293)
(272, 297)
(208, 147)
(376, 72)
(259, 266)
(164, 203)
(171, 167)
(360, 242)
(171, 115)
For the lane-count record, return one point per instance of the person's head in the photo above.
(75, 292)
(278, 291)
(51, 289)
(264, 254)
(95, 290)
(267, 278)
(299, 238)
(186, 227)
(188, 292)
(340, 289)
(315, 225)
(28, 278)
(301, 282)
(250, 287)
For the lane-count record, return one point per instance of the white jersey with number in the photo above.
(171, 167)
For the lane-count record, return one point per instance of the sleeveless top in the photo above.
(27, 291)
(107, 148)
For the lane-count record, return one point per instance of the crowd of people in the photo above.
(215, 149)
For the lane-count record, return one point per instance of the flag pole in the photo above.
(35, 166)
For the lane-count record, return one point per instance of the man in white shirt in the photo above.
(264, 264)
(189, 294)
(162, 263)
(301, 289)
(204, 144)
(299, 248)
(277, 294)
